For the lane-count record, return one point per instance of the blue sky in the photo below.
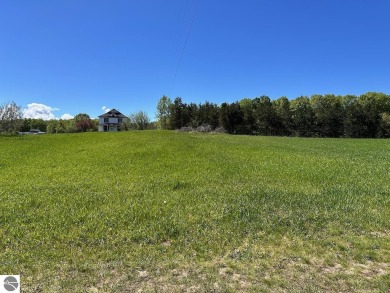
(76, 56)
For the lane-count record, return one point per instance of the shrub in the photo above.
(220, 130)
(186, 129)
(204, 128)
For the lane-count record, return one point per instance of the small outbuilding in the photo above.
(112, 121)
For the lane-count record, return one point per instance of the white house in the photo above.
(111, 121)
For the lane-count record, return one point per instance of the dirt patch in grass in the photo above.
(367, 270)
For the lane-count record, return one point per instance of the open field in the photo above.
(160, 211)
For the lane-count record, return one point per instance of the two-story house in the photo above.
(111, 121)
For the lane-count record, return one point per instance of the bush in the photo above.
(204, 128)
(220, 130)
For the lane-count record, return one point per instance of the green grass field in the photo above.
(160, 211)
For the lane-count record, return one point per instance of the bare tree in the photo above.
(10, 117)
(139, 120)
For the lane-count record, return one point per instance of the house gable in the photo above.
(113, 114)
(111, 121)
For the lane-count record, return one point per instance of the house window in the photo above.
(105, 120)
(119, 120)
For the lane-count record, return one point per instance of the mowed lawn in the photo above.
(163, 211)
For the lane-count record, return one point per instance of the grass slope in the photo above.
(160, 211)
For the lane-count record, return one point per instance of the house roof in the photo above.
(113, 113)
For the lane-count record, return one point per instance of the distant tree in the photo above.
(83, 122)
(95, 124)
(194, 117)
(152, 125)
(208, 114)
(283, 116)
(66, 126)
(52, 126)
(61, 126)
(328, 113)
(180, 115)
(10, 118)
(302, 116)
(354, 117)
(381, 100)
(139, 120)
(30, 123)
(163, 112)
(247, 109)
(231, 118)
(385, 125)
(224, 117)
(265, 116)
(372, 108)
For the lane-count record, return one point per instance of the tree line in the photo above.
(12, 122)
(364, 116)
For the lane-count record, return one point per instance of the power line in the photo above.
(185, 45)
(180, 25)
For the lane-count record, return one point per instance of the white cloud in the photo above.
(39, 111)
(105, 109)
(66, 117)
